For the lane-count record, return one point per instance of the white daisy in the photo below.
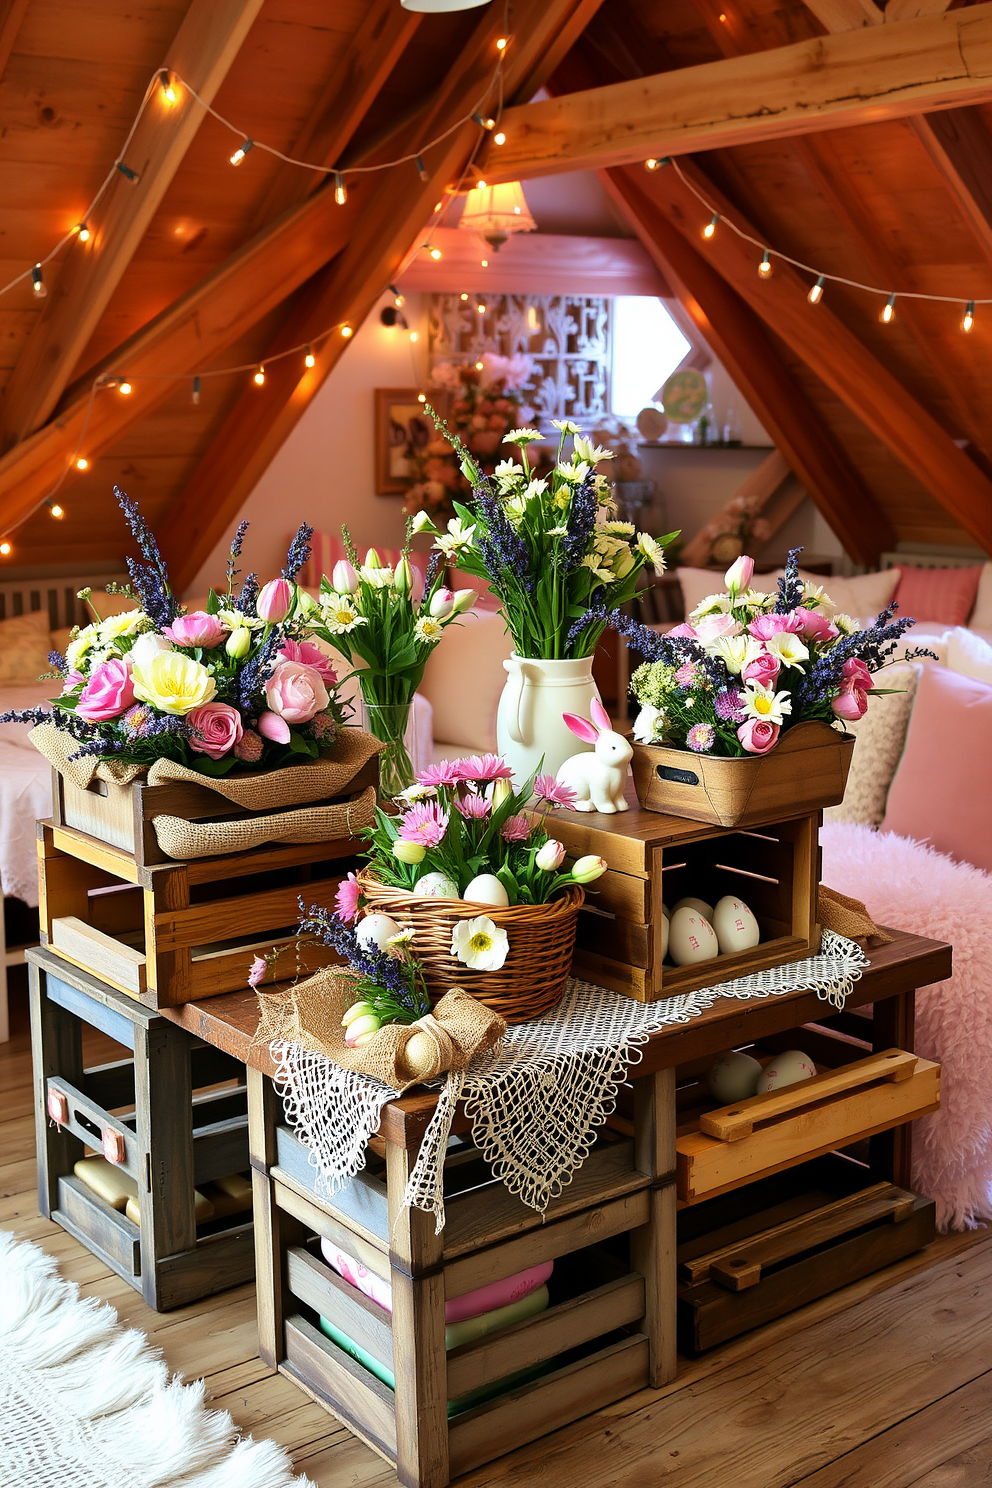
(736, 652)
(480, 944)
(594, 453)
(566, 426)
(762, 702)
(620, 529)
(522, 437)
(789, 649)
(340, 615)
(127, 623)
(428, 629)
(652, 550)
(459, 537)
(231, 619)
(398, 945)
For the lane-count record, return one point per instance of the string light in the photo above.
(711, 226)
(83, 233)
(499, 138)
(127, 172)
(501, 44)
(38, 282)
(124, 387)
(480, 185)
(168, 85)
(489, 124)
(398, 299)
(196, 390)
(340, 189)
(259, 378)
(485, 263)
(481, 308)
(421, 397)
(5, 549)
(765, 266)
(58, 512)
(969, 316)
(82, 463)
(463, 296)
(414, 336)
(421, 169)
(889, 312)
(435, 253)
(242, 151)
(816, 292)
(347, 330)
(651, 164)
(437, 207)
(310, 360)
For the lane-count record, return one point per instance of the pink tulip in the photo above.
(764, 669)
(442, 603)
(257, 971)
(765, 626)
(198, 629)
(108, 693)
(758, 735)
(216, 729)
(275, 600)
(816, 625)
(296, 692)
(738, 575)
(851, 703)
(856, 674)
(344, 578)
(712, 626)
(310, 655)
(271, 726)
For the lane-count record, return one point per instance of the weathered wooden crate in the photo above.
(156, 1111)
(177, 932)
(655, 860)
(780, 1243)
(608, 1331)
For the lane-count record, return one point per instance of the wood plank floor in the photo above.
(885, 1385)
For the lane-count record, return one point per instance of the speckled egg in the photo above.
(691, 938)
(787, 1069)
(735, 925)
(436, 885)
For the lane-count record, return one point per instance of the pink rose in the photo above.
(107, 694)
(310, 655)
(685, 629)
(765, 626)
(851, 703)
(764, 669)
(271, 726)
(856, 674)
(275, 600)
(197, 629)
(758, 735)
(216, 729)
(296, 692)
(816, 626)
(711, 626)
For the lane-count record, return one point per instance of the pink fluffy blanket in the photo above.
(911, 887)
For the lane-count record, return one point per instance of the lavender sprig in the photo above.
(245, 604)
(434, 565)
(57, 661)
(503, 549)
(790, 586)
(26, 715)
(874, 646)
(299, 551)
(369, 962)
(151, 578)
(581, 521)
(236, 544)
(255, 671)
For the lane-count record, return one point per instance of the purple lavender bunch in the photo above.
(875, 646)
(581, 521)
(57, 661)
(369, 962)
(245, 603)
(255, 671)
(237, 542)
(790, 586)
(503, 549)
(299, 551)
(150, 579)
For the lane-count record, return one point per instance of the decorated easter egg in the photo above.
(699, 905)
(788, 1069)
(733, 1077)
(486, 888)
(691, 938)
(375, 930)
(735, 925)
(436, 886)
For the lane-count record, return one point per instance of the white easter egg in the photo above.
(735, 925)
(699, 905)
(436, 885)
(691, 938)
(375, 930)
(733, 1077)
(486, 888)
(788, 1069)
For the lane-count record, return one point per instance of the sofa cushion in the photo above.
(25, 641)
(939, 791)
(464, 678)
(969, 655)
(981, 615)
(880, 736)
(946, 595)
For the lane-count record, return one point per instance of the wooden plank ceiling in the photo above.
(201, 265)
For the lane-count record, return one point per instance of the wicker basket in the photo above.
(542, 936)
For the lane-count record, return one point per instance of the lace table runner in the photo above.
(536, 1100)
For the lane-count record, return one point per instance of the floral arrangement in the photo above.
(389, 983)
(746, 666)
(368, 612)
(551, 549)
(484, 402)
(232, 687)
(461, 832)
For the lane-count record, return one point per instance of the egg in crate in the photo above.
(699, 905)
(787, 1069)
(691, 938)
(666, 924)
(733, 1077)
(735, 926)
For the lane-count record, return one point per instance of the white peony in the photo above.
(147, 646)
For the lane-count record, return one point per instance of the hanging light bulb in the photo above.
(501, 44)
(499, 138)
(168, 81)
(340, 189)
(398, 299)
(196, 390)
(969, 316)
(421, 168)
(765, 266)
(58, 512)
(83, 233)
(242, 151)
(38, 282)
(484, 123)
(82, 463)
(711, 226)
(435, 254)
(124, 387)
(310, 360)
(414, 336)
(259, 378)
(5, 548)
(481, 308)
(816, 292)
(889, 310)
(347, 330)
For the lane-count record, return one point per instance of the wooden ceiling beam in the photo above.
(855, 77)
(206, 44)
(830, 350)
(738, 337)
(352, 88)
(11, 16)
(384, 236)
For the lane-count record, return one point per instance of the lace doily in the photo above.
(537, 1100)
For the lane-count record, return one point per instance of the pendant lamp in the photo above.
(494, 212)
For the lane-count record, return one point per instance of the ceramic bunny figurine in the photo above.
(598, 779)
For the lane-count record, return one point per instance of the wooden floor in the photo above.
(884, 1385)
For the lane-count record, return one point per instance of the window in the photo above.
(647, 347)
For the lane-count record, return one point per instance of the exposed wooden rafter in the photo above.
(855, 77)
(388, 229)
(11, 16)
(738, 337)
(204, 48)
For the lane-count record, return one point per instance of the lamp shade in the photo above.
(432, 7)
(494, 212)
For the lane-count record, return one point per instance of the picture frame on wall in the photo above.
(401, 426)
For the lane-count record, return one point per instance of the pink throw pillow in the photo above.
(946, 595)
(940, 791)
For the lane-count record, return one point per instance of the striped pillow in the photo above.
(946, 595)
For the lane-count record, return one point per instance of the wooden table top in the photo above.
(910, 961)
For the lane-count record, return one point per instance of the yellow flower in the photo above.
(173, 682)
(128, 622)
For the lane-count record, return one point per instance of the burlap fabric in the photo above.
(309, 1015)
(847, 917)
(184, 839)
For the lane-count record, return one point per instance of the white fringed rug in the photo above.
(85, 1403)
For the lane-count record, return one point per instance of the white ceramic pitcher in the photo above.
(528, 721)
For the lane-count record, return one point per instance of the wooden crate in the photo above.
(178, 932)
(122, 816)
(173, 1133)
(654, 859)
(777, 1245)
(609, 1329)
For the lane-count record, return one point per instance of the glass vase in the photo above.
(395, 725)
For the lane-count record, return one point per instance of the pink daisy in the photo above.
(547, 788)
(515, 829)
(700, 737)
(445, 773)
(475, 808)
(310, 655)
(686, 674)
(484, 767)
(425, 824)
(347, 898)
